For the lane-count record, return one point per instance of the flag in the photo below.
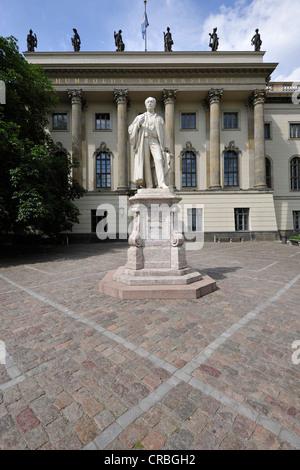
(144, 25)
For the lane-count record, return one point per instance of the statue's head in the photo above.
(150, 102)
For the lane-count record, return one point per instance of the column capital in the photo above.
(121, 97)
(258, 97)
(75, 96)
(169, 96)
(214, 95)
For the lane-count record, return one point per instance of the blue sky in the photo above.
(190, 22)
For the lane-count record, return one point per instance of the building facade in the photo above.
(234, 136)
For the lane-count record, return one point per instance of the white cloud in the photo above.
(190, 26)
(65, 43)
(293, 77)
(278, 25)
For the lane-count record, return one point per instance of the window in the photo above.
(231, 174)
(95, 219)
(296, 220)
(230, 120)
(102, 122)
(267, 130)
(241, 217)
(295, 131)
(103, 170)
(60, 122)
(189, 173)
(268, 172)
(194, 220)
(188, 120)
(295, 173)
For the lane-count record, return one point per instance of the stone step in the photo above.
(123, 291)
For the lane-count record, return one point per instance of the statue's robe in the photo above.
(137, 136)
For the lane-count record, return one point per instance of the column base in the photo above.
(260, 186)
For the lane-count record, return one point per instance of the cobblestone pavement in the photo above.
(87, 371)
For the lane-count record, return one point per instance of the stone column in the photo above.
(214, 97)
(121, 99)
(258, 100)
(250, 113)
(76, 99)
(205, 104)
(169, 97)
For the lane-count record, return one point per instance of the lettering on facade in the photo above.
(142, 81)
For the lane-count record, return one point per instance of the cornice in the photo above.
(200, 70)
(188, 148)
(152, 63)
(252, 54)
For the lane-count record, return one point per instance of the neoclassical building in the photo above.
(234, 134)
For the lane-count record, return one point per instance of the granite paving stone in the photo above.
(154, 440)
(85, 370)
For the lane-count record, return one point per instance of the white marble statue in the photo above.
(149, 139)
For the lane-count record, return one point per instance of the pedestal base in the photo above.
(154, 277)
(123, 291)
(156, 266)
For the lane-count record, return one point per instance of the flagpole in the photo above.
(145, 25)
(145, 1)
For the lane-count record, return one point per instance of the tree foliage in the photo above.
(36, 187)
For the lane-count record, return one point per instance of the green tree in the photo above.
(37, 192)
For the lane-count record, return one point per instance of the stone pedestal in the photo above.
(156, 265)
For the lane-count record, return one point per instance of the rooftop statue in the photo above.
(119, 41)
(76, 41)
(168, 41)
(256, 41)
(214, 40)
(31, 41)
(149, 139)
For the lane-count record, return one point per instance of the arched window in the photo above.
(103, 170)
(268, 172)
(295, 173)
(231, 168)
(189, 170)
(103, 167)
(231, 165)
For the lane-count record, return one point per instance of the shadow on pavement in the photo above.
(34, 254)
(220, 272)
